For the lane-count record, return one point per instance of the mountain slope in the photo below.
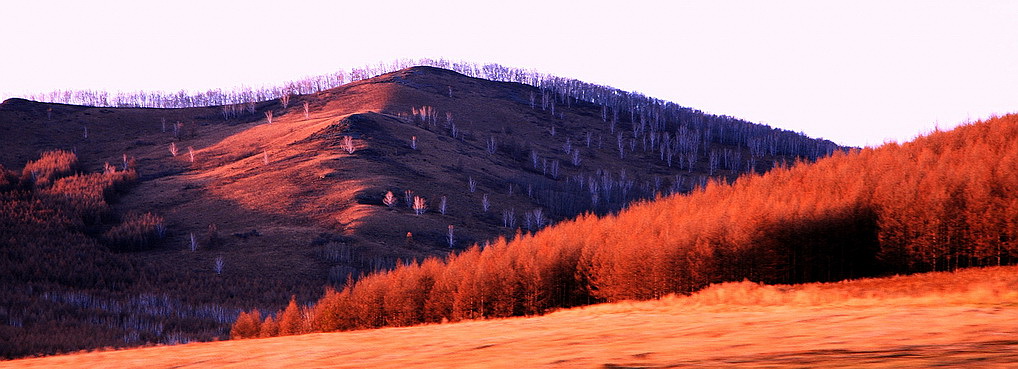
(944, 201)
(284, 208)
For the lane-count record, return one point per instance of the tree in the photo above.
(247, 325)
(420, 205)
(290, 319)
(269, 328)
(347, 144)
(389, 199)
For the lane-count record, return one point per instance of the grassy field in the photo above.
(964, 319)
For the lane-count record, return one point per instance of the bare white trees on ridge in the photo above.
(347, 145)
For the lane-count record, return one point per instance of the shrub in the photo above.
(136, 232)
(52, 165)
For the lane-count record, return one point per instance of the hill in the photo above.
(942, 202)
(960, 319)
(166, 222)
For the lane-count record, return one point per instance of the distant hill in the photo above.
(287, 207)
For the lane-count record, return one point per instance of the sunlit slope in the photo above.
(964, 318)
(941, 202)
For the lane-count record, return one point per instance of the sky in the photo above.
(859, 73)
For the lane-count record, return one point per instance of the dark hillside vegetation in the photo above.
(152, 218)
(945, 201)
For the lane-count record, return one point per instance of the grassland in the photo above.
(960, 319)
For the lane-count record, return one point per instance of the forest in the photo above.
(944, 201)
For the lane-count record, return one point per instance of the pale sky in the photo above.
(855, 72)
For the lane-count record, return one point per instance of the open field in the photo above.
(963, 319)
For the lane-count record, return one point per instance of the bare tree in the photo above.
(538, 215)
(389, 199)
(268, 116)
(450, 237)
(485, 204)
(285, 99)
(193, 246)
(413, 142)
(408, 195)
(491, 146)
(265, 157)
(509, 218)
(442, 205)
(307, 110)
(219, 263)
(190, 152)
(471, 184)
(420, 205)
(173, 149)
(576, 157)
(347, 144)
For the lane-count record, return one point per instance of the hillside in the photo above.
(942, 202)
(282, 208)
(960, 319)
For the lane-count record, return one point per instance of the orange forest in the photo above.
(944, 201)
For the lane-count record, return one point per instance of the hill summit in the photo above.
(256, 201)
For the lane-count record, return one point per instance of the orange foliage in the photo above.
(50, 166)
(942, 202)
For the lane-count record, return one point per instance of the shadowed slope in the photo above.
(283, 208)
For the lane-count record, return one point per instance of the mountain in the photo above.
(159, 225)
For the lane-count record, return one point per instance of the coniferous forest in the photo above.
(944, 201)
(135, 225)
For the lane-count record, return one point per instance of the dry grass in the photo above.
(961, 319)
